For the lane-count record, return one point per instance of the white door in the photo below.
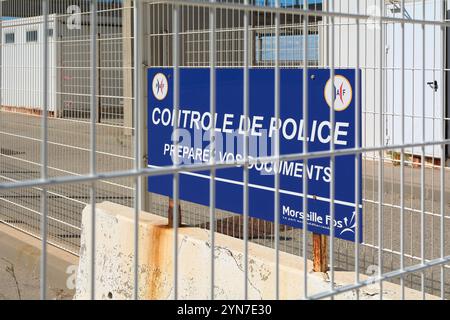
(423, 90)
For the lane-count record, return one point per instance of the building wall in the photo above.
(389, 102)
(21, 70)
(420, 98)
(69, 66)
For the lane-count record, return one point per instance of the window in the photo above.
(32, 36)
(287, 3)
(291, 48)
(50, 33)
(10, 37)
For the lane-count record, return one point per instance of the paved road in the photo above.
(20, 268)
(69, 153)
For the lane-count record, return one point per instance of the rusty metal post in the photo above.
(320, 263)
(170, 214)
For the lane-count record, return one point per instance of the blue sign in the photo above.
(194, 121)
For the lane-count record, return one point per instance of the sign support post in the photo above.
(320, 261)
(170, 214)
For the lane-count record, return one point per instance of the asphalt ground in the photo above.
(69, 154)
(20, 268)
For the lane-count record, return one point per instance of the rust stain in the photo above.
(158, 260)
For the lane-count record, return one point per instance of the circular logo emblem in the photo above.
(160, 86)
(343, 93)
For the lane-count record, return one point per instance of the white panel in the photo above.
(22, 65)
(415, 84)
(369, 47)
(345, 57)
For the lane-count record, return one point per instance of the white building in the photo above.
(69, 67)
(68, 64)
(21, 58)
(418, 90)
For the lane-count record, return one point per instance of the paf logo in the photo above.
(160, 86)
(343, 93)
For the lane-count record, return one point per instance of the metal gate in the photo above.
(92, 148)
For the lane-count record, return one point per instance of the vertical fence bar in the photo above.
(246, 148)
(44, 152)
(212, 137)
(413, 118)
(433, 159)
(93, 135)
(277, 153)
(374, 122)
(176, 177)
(137, 44)
(402, 156)
(357, 156)
(443, 147)
(390, 114)
(305, 150)
(332, 146)
(381, 152)
(422, 166)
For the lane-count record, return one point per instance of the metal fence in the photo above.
(81, 143)
(69, 93)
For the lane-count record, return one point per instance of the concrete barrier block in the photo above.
(114, 256)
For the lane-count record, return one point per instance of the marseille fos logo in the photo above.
(160, 86)
(343, 93)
